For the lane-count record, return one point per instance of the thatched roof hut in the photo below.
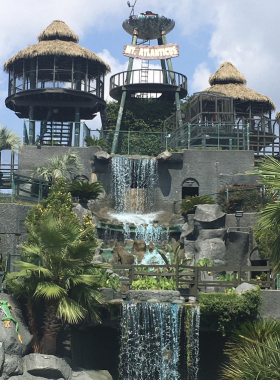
(230, 82)
(56, 40)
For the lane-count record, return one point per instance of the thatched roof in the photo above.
(223, 81)
(56, 40)
(227, 73)
(277, 116)
(58, 30)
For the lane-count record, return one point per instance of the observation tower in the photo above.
(55, 84)
(163, 84)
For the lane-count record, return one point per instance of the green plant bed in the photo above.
(226, 311)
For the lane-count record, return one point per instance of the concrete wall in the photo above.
(30, 157)
(12, 228)
(212, 169)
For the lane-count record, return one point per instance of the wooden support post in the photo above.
(123, 98)
(23, 75)
(31, 136)
(72, 74)
(77, 127)
(54, 68)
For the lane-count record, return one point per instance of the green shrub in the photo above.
(226, 311)
(85, 190)
(188, 203)
(240, 198)
(154, 283)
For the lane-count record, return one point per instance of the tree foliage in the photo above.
(9, 139)
(64, 166)
(85, 190)
(254, 352)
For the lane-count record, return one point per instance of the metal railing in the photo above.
(154, 77)
(189, 277)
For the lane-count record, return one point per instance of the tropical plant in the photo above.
(254, 352)
(206, 262)
(64, 166)
(240, 198)
(60, 261)
(94, 141)
(269, 217)
(170, 256)
(9, 140)
(85, 190)
(188, 203)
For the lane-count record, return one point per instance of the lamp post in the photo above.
(238, 215)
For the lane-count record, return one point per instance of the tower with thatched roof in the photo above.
(229, 114)
(55, 84)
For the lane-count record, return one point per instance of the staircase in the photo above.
(56, 133)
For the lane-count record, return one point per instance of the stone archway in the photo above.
(190, 187)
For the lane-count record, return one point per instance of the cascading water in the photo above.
(134, 182)
(150, 344)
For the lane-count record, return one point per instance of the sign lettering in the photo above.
(151, 52)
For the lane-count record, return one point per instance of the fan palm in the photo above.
(269, 218)
(85, 190)
(9, 139)
(60, 258)
(254, 352)
(65, 166)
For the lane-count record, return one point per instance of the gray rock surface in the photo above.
(214, 249)
(9, 336)
(212, 234)
(121, 256)
(2, 355)
(161, 295)
(237, 245)
(102, 155)
(208, 217)
(80, 211)
(245, 287)
(139, 249)
(48, 366)
(187, 229)
(12, 366)
(108, 293)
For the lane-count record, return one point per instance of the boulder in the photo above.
(48, 366)
(212, 234)
(108, 293)
(209, 217)
(102, 155)
(9, 336)
(187, 228)
(214, 249)
(164, 155)
(237, 245)
(139, 249)
(244, 287)
(12, 366)
(98, 259)
(121, 256)
(2, 355)
(80, 211)
(91, 375)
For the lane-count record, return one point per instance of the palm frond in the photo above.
(70, 311)
(49, 291)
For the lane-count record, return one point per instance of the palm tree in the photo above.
(9, 139)
(65, 166)
(269, 218)
(254, 352)
(60, 258)
(85, 190)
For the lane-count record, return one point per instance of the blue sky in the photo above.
(209, 32)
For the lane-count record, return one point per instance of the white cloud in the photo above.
(200, 78)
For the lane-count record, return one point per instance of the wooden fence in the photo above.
(193, 278)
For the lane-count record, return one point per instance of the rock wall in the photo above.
(204, 235)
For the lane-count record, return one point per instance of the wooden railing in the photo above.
(191, 277)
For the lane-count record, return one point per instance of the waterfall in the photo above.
(150, 343)
(134, 182)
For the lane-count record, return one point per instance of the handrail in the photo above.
(191, 275)
(155, 76)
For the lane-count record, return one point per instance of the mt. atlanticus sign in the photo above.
(151, 52)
